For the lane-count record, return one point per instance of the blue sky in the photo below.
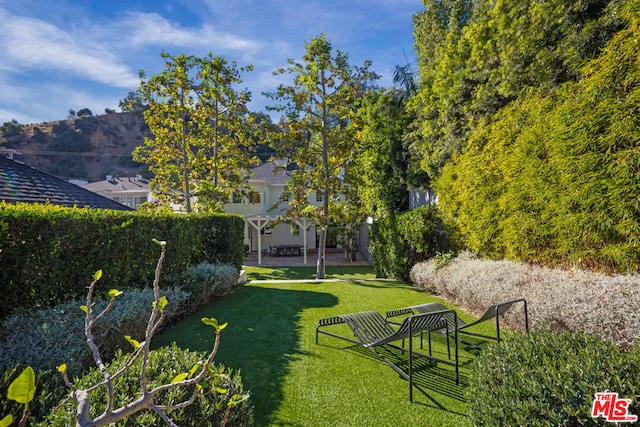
(60, 55)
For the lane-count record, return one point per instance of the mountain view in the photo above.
(87, 147)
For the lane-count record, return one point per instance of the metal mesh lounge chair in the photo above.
(372, 331)
(493, 312)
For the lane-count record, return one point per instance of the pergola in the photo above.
(259, 222)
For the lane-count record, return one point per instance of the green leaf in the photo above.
(210, 321)
(160, 242)
(213, 322)
(179, 378)
(114, 293)
(62, 368)
(134, 343)
(6, 421)
(162, 303)
(23, 388)
(220, 390)
(194, 369)
(84, 308)
(237, 399)
(97, 275)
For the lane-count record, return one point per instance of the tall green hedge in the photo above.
(49, 253)
(398, 242)
(553, 178)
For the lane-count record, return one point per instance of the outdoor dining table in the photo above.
(288, 250)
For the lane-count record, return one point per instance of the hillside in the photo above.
(88, 147)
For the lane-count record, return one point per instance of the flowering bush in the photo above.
(566, 300)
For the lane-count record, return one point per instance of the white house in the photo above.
(129, 191)
(263, 233)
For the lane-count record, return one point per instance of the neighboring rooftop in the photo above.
(113, 185)
(22, 183)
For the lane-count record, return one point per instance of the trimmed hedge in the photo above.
(547, 378)
(50, 253)
(398, 242)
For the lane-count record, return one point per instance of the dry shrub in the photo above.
(566, 300)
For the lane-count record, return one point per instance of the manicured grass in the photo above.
(294, 382)
(309, 272)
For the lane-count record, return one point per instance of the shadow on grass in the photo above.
(435, 381)
(428, 376)
(261, 338)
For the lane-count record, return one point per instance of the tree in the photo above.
(202, 136)
(85, 112)
(132, 103)
(11, 128)
(383, 161)
(319, 107)
(476, 57)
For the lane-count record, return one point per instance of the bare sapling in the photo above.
(200, 377)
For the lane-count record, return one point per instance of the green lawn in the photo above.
(297, 273)
(294, 382)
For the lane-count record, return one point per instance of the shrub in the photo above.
(51, 336)
(566, 300)
(400, 241)
(50, 389)
(164, 364)
(547, 378)
(48, 253)
(206, 281)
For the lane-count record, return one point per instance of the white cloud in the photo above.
(152, 29)
(35, 44)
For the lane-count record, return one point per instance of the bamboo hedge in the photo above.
(554, 178)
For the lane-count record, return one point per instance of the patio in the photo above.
(333, 257)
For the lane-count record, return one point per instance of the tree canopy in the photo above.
(318, 134)
(201, 133)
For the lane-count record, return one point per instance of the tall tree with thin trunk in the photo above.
(318, 137)
(201, 142)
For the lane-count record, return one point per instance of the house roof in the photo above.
(265, 172)
(22, 183)
(118, 186)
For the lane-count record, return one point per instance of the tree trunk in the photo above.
(322, 244)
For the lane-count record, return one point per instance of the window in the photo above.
(255, 197)
(132, 202)
(236, 197)
(318, 197)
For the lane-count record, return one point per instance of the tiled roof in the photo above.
(119, 186)
(265, 173)
(22, 183)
